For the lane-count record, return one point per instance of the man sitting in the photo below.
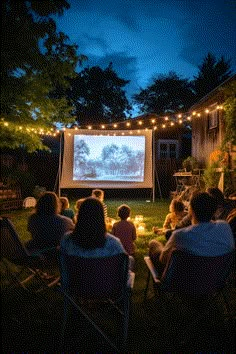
(204, 237)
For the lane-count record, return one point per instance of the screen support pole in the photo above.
(153, 165)
(154, 171)
(60, 165)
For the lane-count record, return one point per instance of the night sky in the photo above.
(144, 38)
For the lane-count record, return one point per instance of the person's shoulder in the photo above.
(130, 223)
(116, 223)
(64, 219)
(221, 224)
(112, 239)
(183, 230)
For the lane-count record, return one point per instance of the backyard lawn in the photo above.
(32, 322)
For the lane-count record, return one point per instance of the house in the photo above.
(209, 126)
(172, 144)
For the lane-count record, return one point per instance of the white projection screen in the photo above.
(107, 159)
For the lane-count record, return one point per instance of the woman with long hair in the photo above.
(90, 238)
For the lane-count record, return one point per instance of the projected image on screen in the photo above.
(113, 158)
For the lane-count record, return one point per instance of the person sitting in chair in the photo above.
(90, 238)
(46, 225)
(204, 237)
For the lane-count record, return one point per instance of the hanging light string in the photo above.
(151, 121)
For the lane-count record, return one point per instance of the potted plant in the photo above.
(190, 163)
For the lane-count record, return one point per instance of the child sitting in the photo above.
(173, 218)
(125, 230)
(99, 194)
(177, 212)
(65, 208)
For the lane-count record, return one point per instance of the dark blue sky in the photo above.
(144, 38)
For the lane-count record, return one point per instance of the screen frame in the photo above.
(66, 176)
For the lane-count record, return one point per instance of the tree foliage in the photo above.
(35, 61)
(98, 96)
(167, 94)
(230, 115)
(212, 73)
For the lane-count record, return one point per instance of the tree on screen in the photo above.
(81, 153)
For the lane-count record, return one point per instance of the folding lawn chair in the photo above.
(199, 282)
(21, 266)
(98, 281)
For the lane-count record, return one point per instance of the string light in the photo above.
(152, 123)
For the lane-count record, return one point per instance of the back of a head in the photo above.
(124, 211)
(98, 193)
(204, 206)
(64, 203)
(90, 229)
(177, 206)
(217, 194)
(78, 204)
(48, 204)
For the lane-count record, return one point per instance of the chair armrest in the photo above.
(130, 282)
(152, 269)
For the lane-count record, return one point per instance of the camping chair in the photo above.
(152, 274)
(103, 280)
(21, 266)
(199, 282)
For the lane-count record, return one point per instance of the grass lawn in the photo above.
(32, 323)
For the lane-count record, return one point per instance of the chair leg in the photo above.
(147, 285)
(85, 315)
(126, 319)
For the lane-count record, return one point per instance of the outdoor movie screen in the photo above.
(119, 158)
(92, 159)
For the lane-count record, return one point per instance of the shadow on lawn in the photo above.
(32, 323)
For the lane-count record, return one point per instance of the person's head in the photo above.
(78, 204)
(90, 229)
(176, 206)
(64, 203)
(155, 247)
(48, 204)
(124, 211)
(98, 193)
(203, 207)
(217, 194)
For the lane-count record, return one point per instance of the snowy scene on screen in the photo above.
(109, 158)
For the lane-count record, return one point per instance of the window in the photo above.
(167, 149)
(213, 119)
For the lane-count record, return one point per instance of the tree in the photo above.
(212, 73)
(97, 96)
(35, 61)
(230, 115)
(168, 93)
